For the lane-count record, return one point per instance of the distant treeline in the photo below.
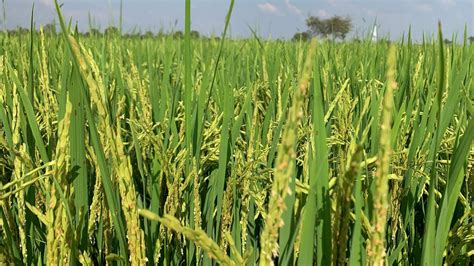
(114, 31)
(316, 28)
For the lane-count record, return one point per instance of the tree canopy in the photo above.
(111, 30)
(49, 28)
(195, 34)
(301, 36)
(335, 27)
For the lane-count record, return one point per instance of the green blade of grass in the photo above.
(316, 207)
(188, 86)
(110, 191)
(357, 239)
(30, 115)
(78, 150)
(455, 180)
(429, 237)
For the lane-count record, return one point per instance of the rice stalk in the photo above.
(59, 230)
(377, 246)
(284, 168)
(198, 236)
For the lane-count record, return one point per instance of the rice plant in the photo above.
(188, 151)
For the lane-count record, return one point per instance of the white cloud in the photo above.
(449, 2)
(322, 13)
(269, 8)
(424, 7)
(46, 2)
(293, 9)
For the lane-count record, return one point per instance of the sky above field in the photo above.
(277, 18)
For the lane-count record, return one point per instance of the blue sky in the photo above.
(275, 18)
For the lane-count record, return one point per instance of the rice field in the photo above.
(188, 151)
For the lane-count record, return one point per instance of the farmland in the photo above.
(238, 152)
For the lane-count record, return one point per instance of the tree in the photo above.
(111, 30)
(161, 34)
(18, 31)
(178, 35)
(195, 34)
(148, 35)
(317, 26)
(94, 32)
(301, 36)
(49, 28)
(336, 26)
(471, 39)
(340, 26)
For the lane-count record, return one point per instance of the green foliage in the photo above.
(178, 35)
(335, 27)
(301, 36)
(111, 31)
(49, 28)
(195, 34)
(234, 151)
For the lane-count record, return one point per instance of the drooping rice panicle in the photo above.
(377, 245)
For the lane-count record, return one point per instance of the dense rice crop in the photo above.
(173, 152)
